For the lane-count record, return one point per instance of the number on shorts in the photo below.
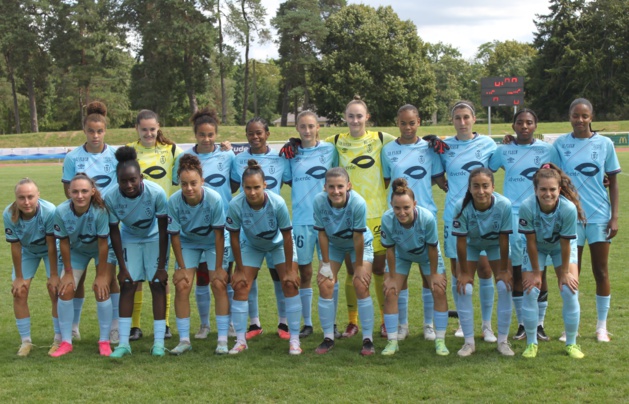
(300, 241)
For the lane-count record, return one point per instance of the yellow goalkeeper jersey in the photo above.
(157, 163)
(361, 158)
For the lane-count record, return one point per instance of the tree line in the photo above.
(173, 56)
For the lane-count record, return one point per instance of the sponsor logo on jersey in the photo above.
(344, 234)
(472, 165)
(317, 172)
(363, 162)
(529, 173)
(215, 180)
(588, 169)
(416, 172)
(101, 181)
(87, 238)
(155, 172)
(270, 182)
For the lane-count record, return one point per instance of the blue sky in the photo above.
(464, 24)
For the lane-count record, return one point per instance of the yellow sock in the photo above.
(137, 309)
(352, 300)
(379, 283)
(168, 309)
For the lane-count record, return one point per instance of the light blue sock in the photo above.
(159, 329)
(602, 307)
(504, 309)
(335, 297)
(486, 298)
(326, 317)
(105, 312)
(441, 320)
(230, 293)
(517, 305)
(466, 311)
(402, 307)
(391, 322)
(24, 327)
(222, 324)
(253, 301)
(202, 295)
(125, 330)
(239, 315)
(280, 300)
(293, 315)
(78, 308)
(455, 294)
(306, 305)
(571, 313)
(429, 305)
(183, 327)
(365, 314)
(530, 314)
(543, 305)
(55, 326)
(115, 304)
(65, 311)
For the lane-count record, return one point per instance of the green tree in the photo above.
(301, 30)
(371, 52)
(245, 22)
(264, 89)
(87, 45)
(508, 58)
(174, 55)
(551, 85)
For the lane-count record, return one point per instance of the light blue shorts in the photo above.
(253, 257)
(111, 255)
(475, 252)
(592, 232)
(543, 257)
(517, 241)
(403, 267)
(306, 238)
(30, 263)
(338, 255)
(449, 244)
(194, 256)
(141, 260)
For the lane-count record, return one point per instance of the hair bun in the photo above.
(96, 107)
(207, 111)
(252, 163)
(357, 97)
(126, 153)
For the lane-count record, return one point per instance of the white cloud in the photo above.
(463, 24)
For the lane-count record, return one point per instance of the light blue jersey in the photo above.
(520, 163)
(410, 244)
(82, 231)
(463, 157)
(216, 171)
(307, 172)
(483, 229)
(586, 161)
(195, 224)
(340, 224)
(138, 215)
(418, 164)
(31, 234)
(101, 167)
(549, 227)
(262, 228)
(275, 168)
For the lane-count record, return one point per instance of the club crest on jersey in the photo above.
(148, 212)
(271, 170)
(537, 160)
(348, 222)
(594, 156)
(421, 159)
(478, 153)
(162, 159)
(322, 159)
(496, 226)
(206, 218)
(272, 223)
(220, 166)
(369, 148)
(107, 168)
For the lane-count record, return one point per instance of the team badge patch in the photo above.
(8, 232)
(456, 224)
(523, 222)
